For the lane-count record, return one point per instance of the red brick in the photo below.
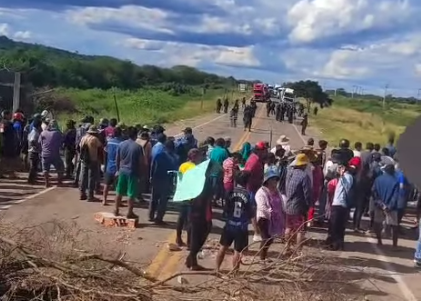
(110, 220)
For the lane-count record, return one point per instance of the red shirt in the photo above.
(109, 131)
(255, 166)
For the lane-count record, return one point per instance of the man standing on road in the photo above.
(218, 155)
(80, 132)
(248, 118)
(129, 168)
(90, 150)
(159, 145)
(386, 197)
(34, 151)
(144, 141)
(69, 145)
(111, 150)
(51, 140)
(344, 152)
(238, 211)
(162, 182)
(299, 193)
(195, 157)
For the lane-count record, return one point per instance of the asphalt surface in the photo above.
(58, 212)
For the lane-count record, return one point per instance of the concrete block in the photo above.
(108, 219)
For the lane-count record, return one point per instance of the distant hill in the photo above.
(47, 66)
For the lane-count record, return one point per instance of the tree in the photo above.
(311, 91)
(47, 66)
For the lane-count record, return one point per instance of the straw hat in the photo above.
(283, 140)
(93, 129)
(300, 160)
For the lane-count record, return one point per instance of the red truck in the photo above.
(260, 92)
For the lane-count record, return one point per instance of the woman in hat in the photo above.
(269, 212)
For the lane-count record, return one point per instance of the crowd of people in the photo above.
(280, 192)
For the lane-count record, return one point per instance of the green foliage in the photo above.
(45, 66)
(389, 98)
(146, 105)
(397, 113)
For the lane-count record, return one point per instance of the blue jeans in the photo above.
(417, 255)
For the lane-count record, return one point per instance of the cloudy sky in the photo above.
(340, 43)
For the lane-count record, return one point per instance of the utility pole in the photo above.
(384, 97)
(419, 93)
(353, 90)
(16, 91)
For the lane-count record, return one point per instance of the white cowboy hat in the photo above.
(283, 140)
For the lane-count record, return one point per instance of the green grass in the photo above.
(144, 106)
(363, 120)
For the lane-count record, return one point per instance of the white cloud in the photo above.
(194, 55)
(4, 29)
(144, 44)
(215, 24)
(236, 56)
(314, 19)
(22, 35)
(418, 69)
(376, 60)
(286, 32)
(129, 15)
(340, 66)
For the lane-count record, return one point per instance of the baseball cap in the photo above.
(260, 145)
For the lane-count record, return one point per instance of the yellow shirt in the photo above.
(186, 166)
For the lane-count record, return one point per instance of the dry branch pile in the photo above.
(41, 268)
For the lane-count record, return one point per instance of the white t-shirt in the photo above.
(357, 153)
(286, 147)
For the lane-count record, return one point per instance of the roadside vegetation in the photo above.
(363, 120)
(71, 85)
(144, 106)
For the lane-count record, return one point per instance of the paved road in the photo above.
(148, 244)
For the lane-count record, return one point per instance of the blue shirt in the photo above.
(157, 149)
(299, 192)
(342, 193)
(17, 126)
(112, 149)
(161, 165)
(238, 210)
(392, 150)
(131, 156)
(403, 189)
(386, 190)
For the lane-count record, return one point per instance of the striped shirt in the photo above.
(229, 169)
(299, 192)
